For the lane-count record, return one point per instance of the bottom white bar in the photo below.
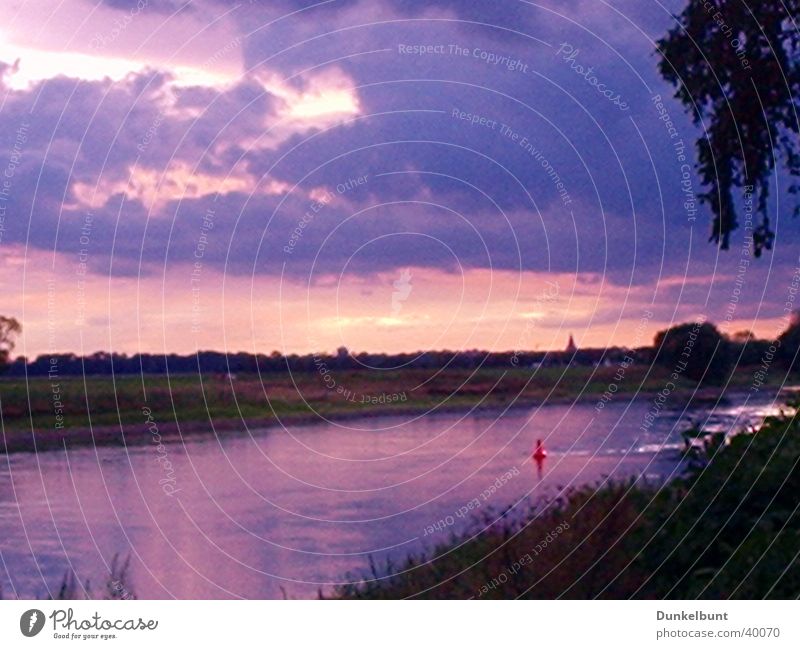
(399, 624)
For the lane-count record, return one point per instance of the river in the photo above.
(271, 512)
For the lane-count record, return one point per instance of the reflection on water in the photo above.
(301, 509)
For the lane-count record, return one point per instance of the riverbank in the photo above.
(43, 414)
(727, 528)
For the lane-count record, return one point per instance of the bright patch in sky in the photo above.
(35, 66)
(154, 188)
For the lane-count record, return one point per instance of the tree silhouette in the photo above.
(9, 328)
(790, 342)
(700, 350)
(736, 67)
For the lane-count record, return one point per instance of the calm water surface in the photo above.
(299, 510)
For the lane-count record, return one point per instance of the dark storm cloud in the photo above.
(598, 189)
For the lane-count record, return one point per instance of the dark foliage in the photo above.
(736, 67)
(695, 350)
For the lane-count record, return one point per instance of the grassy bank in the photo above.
(70, 587)
(728, 528)
(68, 407)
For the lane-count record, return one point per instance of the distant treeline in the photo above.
(241, 362)
(740, 353)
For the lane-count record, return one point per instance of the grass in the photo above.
(728, 528)
(116, 586)
(189, 403)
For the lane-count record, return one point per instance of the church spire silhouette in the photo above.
(571, 347)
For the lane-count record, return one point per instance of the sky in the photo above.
(384, 175)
